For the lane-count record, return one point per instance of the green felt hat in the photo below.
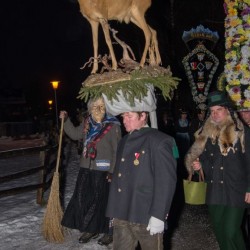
(217, 98)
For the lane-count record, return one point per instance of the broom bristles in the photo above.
(52, 229)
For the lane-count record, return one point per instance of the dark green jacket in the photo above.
(138, 192)
(227, 177)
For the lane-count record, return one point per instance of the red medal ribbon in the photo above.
(137, 155)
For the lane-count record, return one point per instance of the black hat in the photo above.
(183, 111)
(217, 98)
(201, 111)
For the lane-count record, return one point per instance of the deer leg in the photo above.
(154, 44)
(151, 52)
(94, 27)
(105, 28)
(140, 21)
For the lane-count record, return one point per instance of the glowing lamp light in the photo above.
(55, 84)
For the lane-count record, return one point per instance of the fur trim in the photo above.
(225, 133)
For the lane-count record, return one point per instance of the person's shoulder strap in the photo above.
(103, 132)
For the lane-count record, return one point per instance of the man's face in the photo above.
(201, 116)
(184, 116)
(218, 114)
(132, 120)
(98, 110)
(245, 115)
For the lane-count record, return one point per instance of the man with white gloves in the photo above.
(143, 185)
(155, 226)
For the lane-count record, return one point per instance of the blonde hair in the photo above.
(92, 101)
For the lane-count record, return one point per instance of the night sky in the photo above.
(42, 41)
(47, 40)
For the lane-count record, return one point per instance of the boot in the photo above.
(86, 237)
(105, 240)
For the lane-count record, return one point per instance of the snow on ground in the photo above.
(21, 217)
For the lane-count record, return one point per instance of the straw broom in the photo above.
(52, 228)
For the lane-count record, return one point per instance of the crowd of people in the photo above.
(120, 184)
(127, 181)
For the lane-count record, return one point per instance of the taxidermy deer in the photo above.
(100, 11)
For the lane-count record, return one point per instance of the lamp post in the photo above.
(50, 102)
(55, 86)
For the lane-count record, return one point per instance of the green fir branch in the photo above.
(135, 88)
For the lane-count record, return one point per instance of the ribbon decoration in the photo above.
(136, 161)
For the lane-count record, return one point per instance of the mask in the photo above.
(98, 110)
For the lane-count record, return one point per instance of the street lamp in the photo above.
(55, 86)
(50, 102)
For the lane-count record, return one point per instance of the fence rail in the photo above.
(16, 128)
(47, 156)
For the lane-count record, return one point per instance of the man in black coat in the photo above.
(245, 117)
(221, 149)
(143, 184)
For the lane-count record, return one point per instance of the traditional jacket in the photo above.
(224, 155)
(105, 148)
(144, 179)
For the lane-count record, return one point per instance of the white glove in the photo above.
(155, 225)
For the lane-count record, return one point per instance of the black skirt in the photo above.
(87, 207)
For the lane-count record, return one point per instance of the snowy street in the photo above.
(21, 218)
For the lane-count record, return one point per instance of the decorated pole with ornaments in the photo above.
(237, 56)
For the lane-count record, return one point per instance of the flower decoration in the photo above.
(237, 34)
(200, 65)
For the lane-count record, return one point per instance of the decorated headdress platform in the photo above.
(133, 91)
(125, 84)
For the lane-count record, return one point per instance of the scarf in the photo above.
(94, 131)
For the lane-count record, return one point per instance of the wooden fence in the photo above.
(48, 157)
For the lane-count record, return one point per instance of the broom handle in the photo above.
(59, 146)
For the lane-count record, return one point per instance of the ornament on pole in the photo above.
(237, 56)
(200, 64)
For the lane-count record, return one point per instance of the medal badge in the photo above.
(136, 161)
